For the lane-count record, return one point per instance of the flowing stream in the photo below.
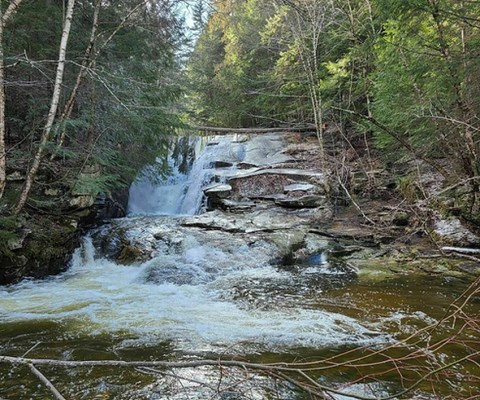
(197, 295)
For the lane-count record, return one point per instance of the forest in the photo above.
(380, 103)
(400, 77)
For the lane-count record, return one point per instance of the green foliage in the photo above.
(406, 72)
(125, 108)
(91, 184)
(227, 70)
(412, 67)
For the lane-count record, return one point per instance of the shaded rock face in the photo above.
(43, 243)
(258, 186)
(43, 248)
(113, 205)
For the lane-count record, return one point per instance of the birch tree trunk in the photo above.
(4, 17)
(52, 112)
(88, 62)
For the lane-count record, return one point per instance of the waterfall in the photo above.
(192, 162)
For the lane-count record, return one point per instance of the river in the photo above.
(217, 294)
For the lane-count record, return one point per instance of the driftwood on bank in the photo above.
(220, 130)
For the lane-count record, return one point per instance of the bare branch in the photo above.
(46, 382)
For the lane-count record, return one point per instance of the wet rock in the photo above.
(42, 247)
(289, 242)
(221, 164)
(316, 244)
(236, 206)
(132, 254)
(338, 250)
(349, 234)
(215, 220)
(176, 274)
(307, 201)
(302, 187)
(111, 205)
(244, 165)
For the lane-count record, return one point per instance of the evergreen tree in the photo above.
(116, 101)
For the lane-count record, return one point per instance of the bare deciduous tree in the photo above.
(309, 21)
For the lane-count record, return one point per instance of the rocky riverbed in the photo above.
(269, 187)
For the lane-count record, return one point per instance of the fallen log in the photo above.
(461, 250)
(221, 130)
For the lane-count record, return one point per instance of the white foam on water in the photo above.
(351, 392)
(99, 296)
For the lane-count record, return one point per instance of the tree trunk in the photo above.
(52, 112)
(12, 8)
(87, 62)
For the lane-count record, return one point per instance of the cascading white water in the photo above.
(183, 296)
(207, 287)
(181, 193)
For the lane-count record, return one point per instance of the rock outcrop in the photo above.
(259, 197)
(43, 240)
(266, 176)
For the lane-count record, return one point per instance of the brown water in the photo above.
(347, 327)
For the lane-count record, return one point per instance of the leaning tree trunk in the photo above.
(87, 62)
(52, 112)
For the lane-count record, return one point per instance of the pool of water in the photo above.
(362, 336)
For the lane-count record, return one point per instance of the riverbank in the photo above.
(399, 221)
(40, 241)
